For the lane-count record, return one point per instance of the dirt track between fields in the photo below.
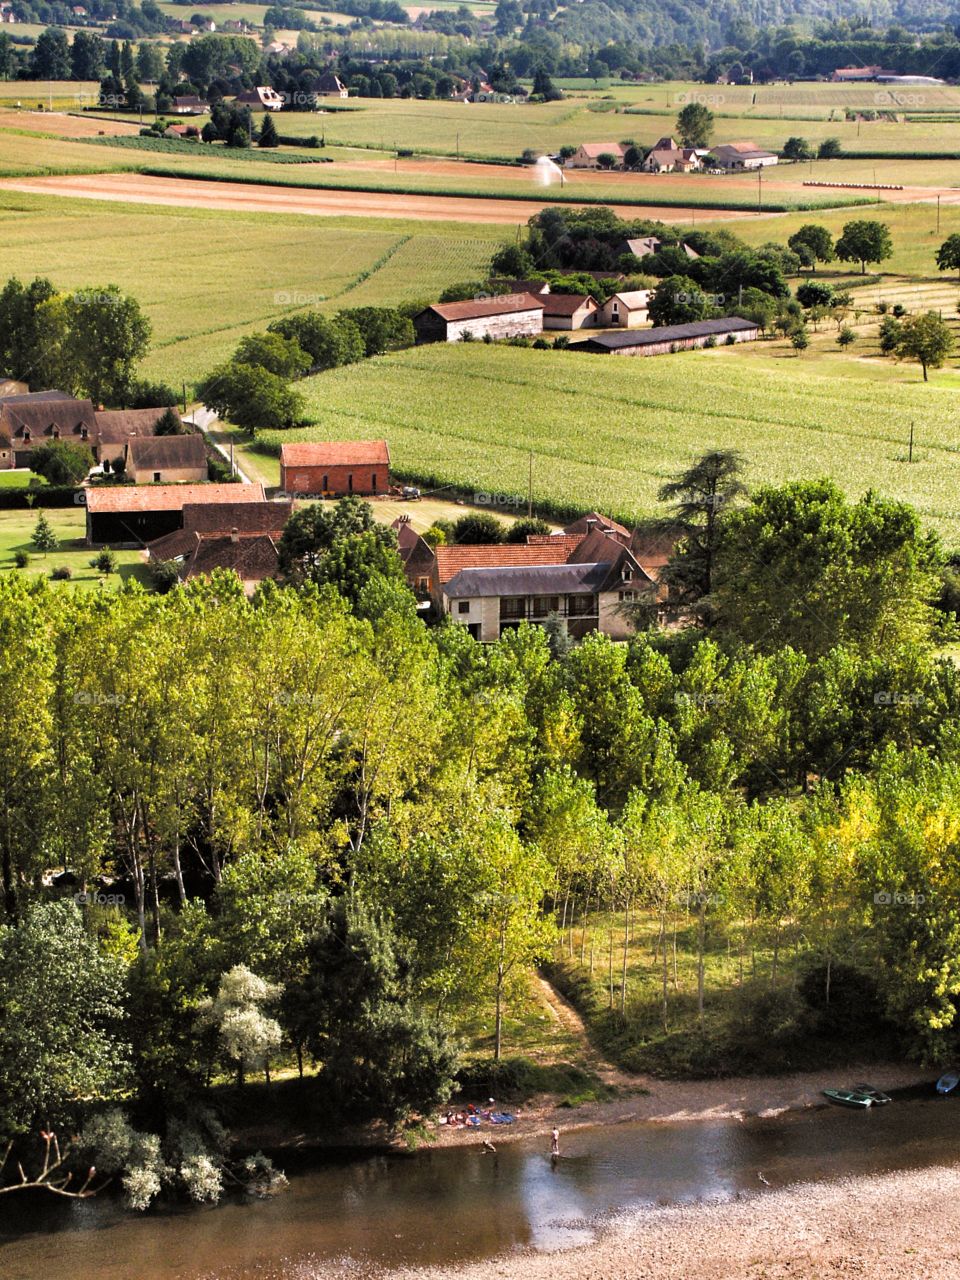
(135, 188)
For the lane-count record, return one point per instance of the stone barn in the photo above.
(509, 315)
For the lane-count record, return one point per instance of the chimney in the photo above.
(234, 534)
(591, 524)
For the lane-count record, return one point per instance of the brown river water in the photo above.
(360, 1215)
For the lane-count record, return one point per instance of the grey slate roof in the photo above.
(528, 580)
(665, 333)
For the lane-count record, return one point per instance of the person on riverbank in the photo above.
(555, 1145)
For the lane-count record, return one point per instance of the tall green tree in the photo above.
(863, 241)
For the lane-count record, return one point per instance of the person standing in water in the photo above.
(555, 1145)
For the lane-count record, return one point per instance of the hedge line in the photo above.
(473, 193)
(41, 496)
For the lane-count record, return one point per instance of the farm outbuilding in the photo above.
(335, 468)
(509, 315)
(672, 337)
(569, 311)
(132, 515)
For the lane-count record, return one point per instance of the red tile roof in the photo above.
(335, 453)
(504, 304)
(245, 517)
(167, 497)
(450, 560)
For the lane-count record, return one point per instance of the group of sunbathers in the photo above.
(472, 1117)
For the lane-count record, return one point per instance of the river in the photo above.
(362, 1214)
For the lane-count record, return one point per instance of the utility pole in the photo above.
(530, 488)
(910, 456)
(938, 215)
(760, 189)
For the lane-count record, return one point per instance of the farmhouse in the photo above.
(742, 155)
(331, 86)
(587, 596)
(417, 557)
(166, 459)
(642, 246)
(587, 155)
(41, 416)
(130, 516)
(624, 310)
(190, 105)
(335, 468)
(263, 96)
(510, 315)
(116, 427)
(670, 338)
(667, 157)
(569, 311)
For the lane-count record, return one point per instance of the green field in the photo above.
(606, 432)
(69, 525)
(646, 112)
(205, 278)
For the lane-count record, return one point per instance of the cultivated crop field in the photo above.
(608, 431)
(224, 274)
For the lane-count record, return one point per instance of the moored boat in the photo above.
(848, 1098)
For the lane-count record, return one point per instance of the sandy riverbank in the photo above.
(646, 1098)
(900, 1226)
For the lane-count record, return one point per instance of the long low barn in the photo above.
(132, 515)
(671, 337)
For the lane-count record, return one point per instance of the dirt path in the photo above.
(567, 1017)
(134, 188)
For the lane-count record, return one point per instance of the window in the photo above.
(350, 482)
(542, 605)
(423, 583)
(373, 482)
(513, 607)
(581, 606)
(325, 485)
(463, 606)
(156, 476)
(627, 596)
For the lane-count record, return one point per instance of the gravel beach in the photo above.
(896, 1227)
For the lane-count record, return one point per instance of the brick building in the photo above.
(335, 468)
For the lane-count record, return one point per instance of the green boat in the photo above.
(848, 1098)
(876, 1096)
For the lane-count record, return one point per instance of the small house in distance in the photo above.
(624, 310)
(263, 97)
(669, 338)
(509, 315)
(742, 155)
(335, 468)
(587, 155)
(166, 459)
(569, 310)
(331, 86)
